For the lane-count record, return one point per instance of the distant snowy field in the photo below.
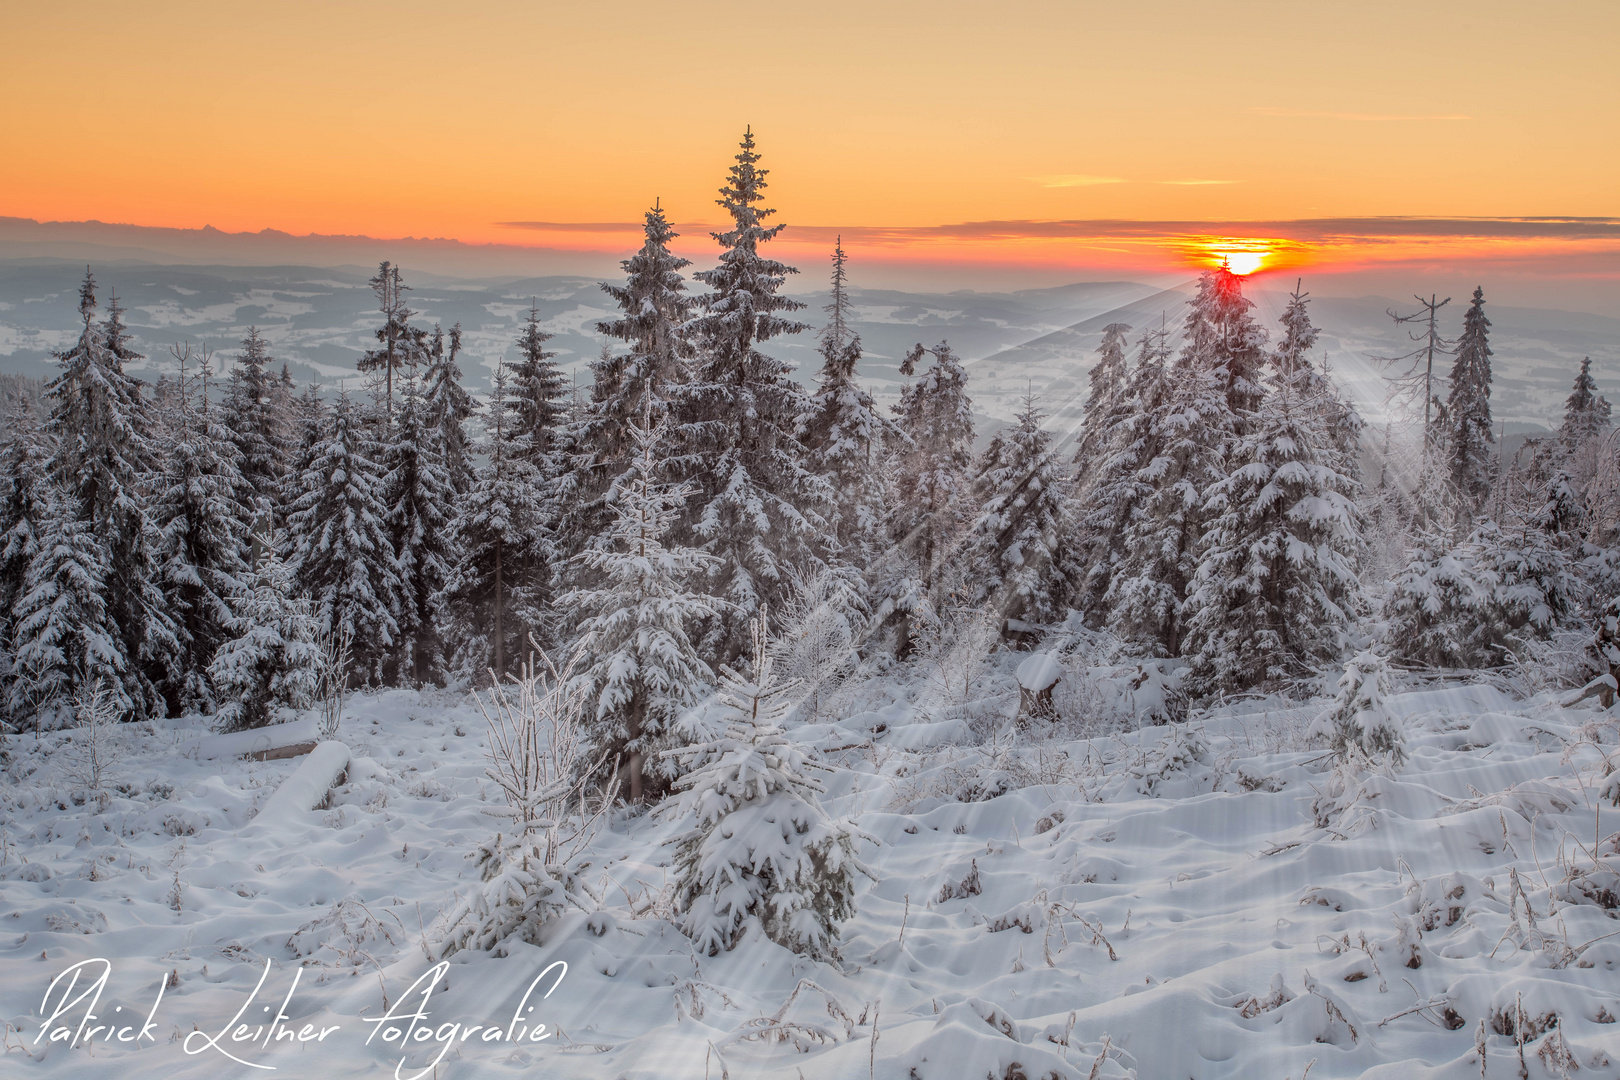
(1186, 901)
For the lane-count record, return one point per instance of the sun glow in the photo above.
(1244, 262)
(1242, 255)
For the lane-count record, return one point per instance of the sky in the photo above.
(1051, 139)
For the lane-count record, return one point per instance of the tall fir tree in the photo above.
(487, 614)
(635, 627)
(1586, 414)
(845, 435)
(342, 554)
(1276, 586)
(758, 508)
(104, 455)
(258, 422)
(1468, 410)
(653, 308)
(200, 507)
(539, 396)
(420, 504)
(449, 406)
(397, 340)
(1111, 499)
(26, 494)
(1313, 388)
(1104, 408)
(1019, 565)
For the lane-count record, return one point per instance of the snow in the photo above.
(239, 743)
(1038, 672)
(308, 787)
(1249, 933)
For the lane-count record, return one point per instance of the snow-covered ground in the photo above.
(1204, 900)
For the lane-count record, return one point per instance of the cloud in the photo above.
(1272, 110)
(1193, 183)
(1075, 180)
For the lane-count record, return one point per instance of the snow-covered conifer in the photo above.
(273, 656)
(397, 340)
(1586, 415)
(449, 406)
(1359, 720)
(200, 507)
(1276, 583)
(845, 436)
(635, 626)
(256, 417)
(63, 637)
(936, 416)
(487, 609)
(1018, 565)
(1103, 410)
(1468, 409)
(420, 503)
(342, 555)
(759, 509)
(761, 850)
(102, 432)
(25, 494)
(538, 393)
(1292, 359)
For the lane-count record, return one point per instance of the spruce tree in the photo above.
(486, 615)
(102, 430)
(26, 492)
(845, 436)
(397, 340)
(63, 637)
(420, 503)
(761, 852)
(1276, 585)
(256, 417)
(1114, 493)
(1468, 409)
(1018, 564)
(197, 508)
(635, 627)
(342, 555)
(273, 656)
(758, 508)
(936, 416)
(653, 308)
(1314, 389)
(1586, 415)
(1104, 406)
(538, 397)
(449, 407)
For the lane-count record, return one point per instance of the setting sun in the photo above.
(1244, 262)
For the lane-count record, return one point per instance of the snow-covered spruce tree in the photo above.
(761, 850)
(1359, 720)
(845, 435)
(255, 409)
(1018, 567)
(1317, 391)
(1586, 415)
(397, 340)
(1109, 498)
(1464, 606)
(537, 408)
(634, 626)
(758, 509)
(1468, 410)
(272, 660)
(104, 453)
(1276, 583)
(1105, 407)
(201, 507)
(931, 478)
(342, 556)
(449, 406)
(1214, 387)
(63, 638)
(25, 494)
(653, 307)
(486, 619)
(420, 503)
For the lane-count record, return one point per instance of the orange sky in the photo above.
(418, 119)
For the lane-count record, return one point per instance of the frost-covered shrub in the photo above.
(1358, 720)
(95, 750)
(1183, 754)
(536, 759)
(1464, 606)
(761, 850)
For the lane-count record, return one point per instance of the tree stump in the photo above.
(1037, 676)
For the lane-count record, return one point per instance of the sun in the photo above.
(1243, 263)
